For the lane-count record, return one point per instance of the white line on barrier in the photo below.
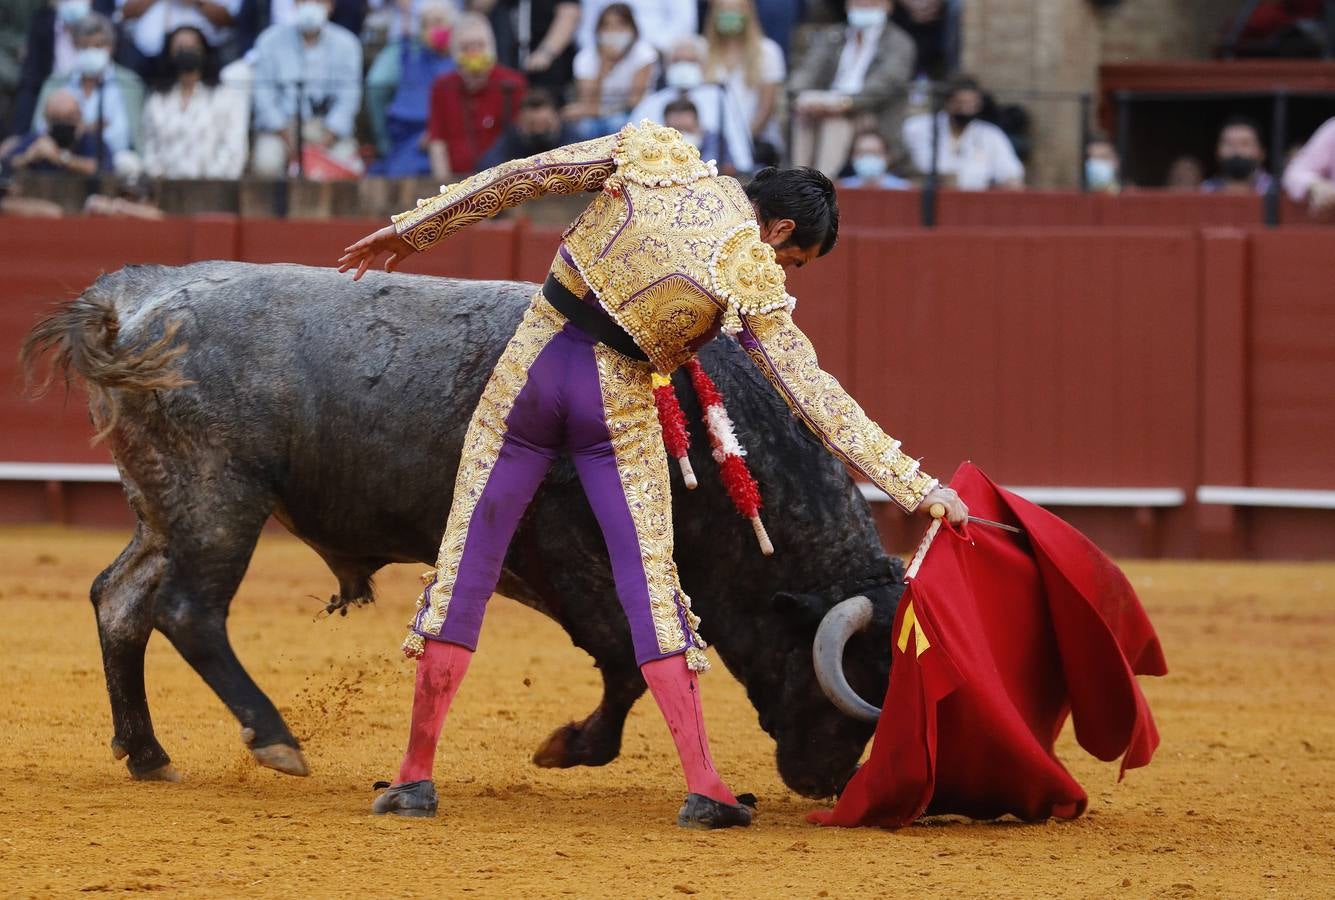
(1075, 496)
(1289, 498)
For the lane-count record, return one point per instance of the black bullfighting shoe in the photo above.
(412, 798)
(704, 812)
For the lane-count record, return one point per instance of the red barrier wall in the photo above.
(1083, 356)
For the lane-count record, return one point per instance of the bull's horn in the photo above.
(827, 653)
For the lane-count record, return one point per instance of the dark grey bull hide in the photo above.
(231, 392)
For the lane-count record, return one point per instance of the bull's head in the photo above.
(817, 718)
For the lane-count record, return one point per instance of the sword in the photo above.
(938, 511)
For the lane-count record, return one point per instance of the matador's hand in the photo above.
(957, 513)
(365, 252)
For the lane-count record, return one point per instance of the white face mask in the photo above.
(1099, 173)
(862, 17)
(684, 75)
(616, 41)
(71, 11)
(92, 61)
(869, 166)
(310, 17)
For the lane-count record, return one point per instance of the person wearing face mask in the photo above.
(63, 145)
(870, 163)
(1239, 155)
(971, 154)
(750, 64)
(719, 110)
(150, 21)
(48, 54)
(537, 129)
(1102, 167)
(110, 96)
(661, 22)
(612, 79)
(192, 128)
(315, 66)
(472, 106)
(398, 91)
(852, 78)
(254, 16)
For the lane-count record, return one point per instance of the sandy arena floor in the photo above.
(1240, 800)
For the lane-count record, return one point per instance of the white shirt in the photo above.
(855, 59)
(661, 22)
(773, 70)
(165, 16)
(203, 137)
(618, 82)
(711, 103)
(981, 157)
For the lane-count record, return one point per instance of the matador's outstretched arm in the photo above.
(565, 170)
(788, 360)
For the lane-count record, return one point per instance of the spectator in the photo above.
(63, 144)
(682, 115)
(1102, 166)
(1185, 174)
(1283, 28)
(750, 64)
(537, 129)
(851, 78)
(1310, 176)
(1239, 156)
(871, 164)
(612, 79)
(537, 37)
(718, 109)
(110, 96)
(398, 92)
(150, 21)
(254, 16)
(472, 106)
(49, 52)
(934, 26)
(192, 127)
(662, 22)
(307, 74)
(971, 154)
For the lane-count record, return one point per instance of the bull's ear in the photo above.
(802, 611)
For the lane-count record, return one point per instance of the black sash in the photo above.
(591, 319)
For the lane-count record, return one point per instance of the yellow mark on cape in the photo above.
(906, 627)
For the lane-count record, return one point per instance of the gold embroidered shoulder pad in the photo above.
(658, 156)
(745, 274)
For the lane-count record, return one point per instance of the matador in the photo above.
(666, 256)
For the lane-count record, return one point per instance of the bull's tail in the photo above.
(83, 334)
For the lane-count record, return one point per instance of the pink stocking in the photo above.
(439, 672)
(676, 690)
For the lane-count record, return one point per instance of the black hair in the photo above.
(164, 76)
(872, 132)
(538, 98)
(962, 82)
(680, 105)
(1235, 121)
(804, 195)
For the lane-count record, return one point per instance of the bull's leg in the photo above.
(191, 610)
(595, 741)
(123, 601)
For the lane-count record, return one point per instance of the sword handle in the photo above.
(937, 510)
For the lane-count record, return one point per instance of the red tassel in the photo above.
(742, 488)
(673, 420)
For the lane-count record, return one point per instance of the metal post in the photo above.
(1085, 104)
(1279, 126)
(301, 130)
(929, 187)
(1124, 99)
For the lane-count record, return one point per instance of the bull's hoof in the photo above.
(707, 813)
(575, 745)
(161, 773)
(412, 798)
(118, 749)
(282, 758)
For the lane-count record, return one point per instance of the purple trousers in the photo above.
(556, 389)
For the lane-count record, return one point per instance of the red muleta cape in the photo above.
(995, 642)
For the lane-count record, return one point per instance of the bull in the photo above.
(229, 393)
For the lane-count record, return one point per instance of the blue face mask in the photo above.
(1099, 173)
(71, 11)
(861, 17)
(869, 166)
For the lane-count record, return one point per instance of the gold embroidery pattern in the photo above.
(745, 273)
(658, 156)
(789, 361)
(637, 443)
(565, 170)
(482, 444)
(568, 276)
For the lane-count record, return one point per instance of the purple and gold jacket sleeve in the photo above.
(565, 170)
(788, 360)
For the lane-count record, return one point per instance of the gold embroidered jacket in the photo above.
(672, 252)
